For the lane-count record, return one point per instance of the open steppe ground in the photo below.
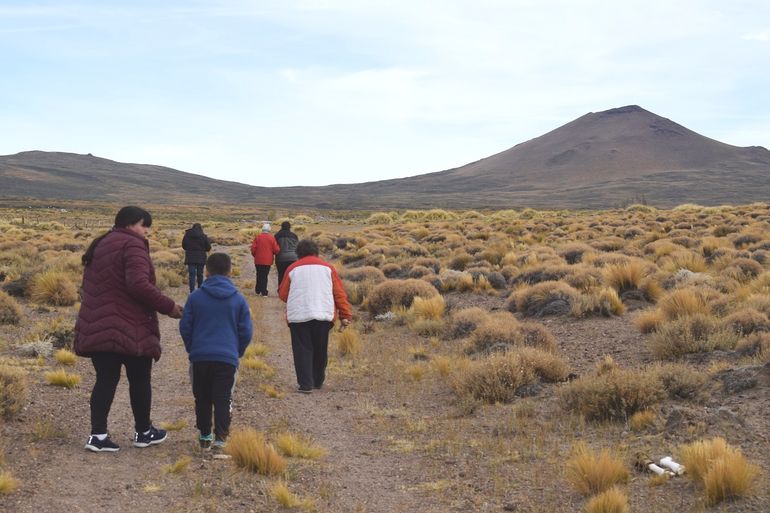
(638, 331)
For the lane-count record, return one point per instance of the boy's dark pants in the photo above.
(262, 273)
(212, 384)
(310, 344)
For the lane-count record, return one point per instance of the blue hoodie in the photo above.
(216, 323)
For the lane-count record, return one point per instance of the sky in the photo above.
(314, 92)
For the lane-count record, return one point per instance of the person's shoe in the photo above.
(106, 445)
(205, 441)
(154, 436)
(218, 449)
(305, 390)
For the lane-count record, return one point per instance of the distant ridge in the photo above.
(599, 160)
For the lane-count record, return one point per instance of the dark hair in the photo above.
(306, 247)
(219, 263)
(286, 225)
(125, 217)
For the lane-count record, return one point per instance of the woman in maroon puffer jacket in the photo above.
(118, 326)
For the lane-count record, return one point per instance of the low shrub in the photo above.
(625, 277)
(496, 332)
(463, 322)
(394, 293)
(681, 382)
(613, 500)
(428, 308)
(590, 472)
(604, 301)
(13, 391)
(683, 302)
(365, 273)
(691, 334)
(743, 270)
(54, 288)
(10, 310)
(546, 298)
(746, 321)
(537, 335)
(348, 342)
(249, 450)
(721, 469)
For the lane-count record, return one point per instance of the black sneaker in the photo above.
(106, 445)
(155, 436)
(304, 390)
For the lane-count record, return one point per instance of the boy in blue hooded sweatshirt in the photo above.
(216, 329)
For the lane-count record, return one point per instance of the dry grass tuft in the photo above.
(496, 332)
(174, 426)
(62, 378)
(387, 295)
(626, 276)
(250, 451)
(642, 420)
(463, 322)
(297, 446)
(259, 366)
(697, 333)
(283, 496)
(590, 472)
(428, 308)
(545, 298)
(8, 483)
(682, 303)
(613, 500)
(65, 357)
(348, 342)
(271, 391)
(722, 470)
(256, 349)
(13, 391)
(10, 311)
(442, 365)
(54, 288)
(178, 466)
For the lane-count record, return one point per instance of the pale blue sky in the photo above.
(314, 92)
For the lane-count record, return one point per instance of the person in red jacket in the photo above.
(264, 248)
(314, 297)
(117, 324)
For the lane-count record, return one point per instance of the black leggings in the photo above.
(213, 384)
(139, 373)
(262, 273)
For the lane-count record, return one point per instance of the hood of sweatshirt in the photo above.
(219, 286)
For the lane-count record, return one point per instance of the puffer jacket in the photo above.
(312, 290)
(120, 299)
(287, 241)
(263, 248)
(195, 244)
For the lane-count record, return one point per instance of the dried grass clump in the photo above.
(10, 310)
(681, 381)
(590, 472)
(648, 320)
(743, 270)
(691, 334)
(613, 500)
(496, 332)
(537, 335)
(249, 450)
(722, 469)
(178, 466)
(460, 281)
(682, 303)
(642, 420)
(746, 321)
(281, 493)
(8, 483)
(542, 273)
(379, 218)
(547, 298)
(428, 308)
(365, 273)
(54, 288)
(604, 301)
(613, 395)
(756, 344)
(625, 277)
(463, 322)
(297, 446)
(680, 259)
(65, 357)
(13, 390)
(573, 253)
(348, 342)
(394, 293)
(62, 378)
(498, 377)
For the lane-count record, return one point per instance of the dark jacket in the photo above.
(287, 241)
(216, 323)
(120, 299)
(195, 244)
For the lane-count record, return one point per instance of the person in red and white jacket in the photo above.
(315, 298)
(263, 249)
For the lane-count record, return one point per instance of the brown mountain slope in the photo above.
(601, 159)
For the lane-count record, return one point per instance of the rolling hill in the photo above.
(599, 160)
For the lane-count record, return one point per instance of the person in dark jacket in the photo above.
(195, 244)
(117, 324)
(216, 329)
(263, 248)
(287, 241)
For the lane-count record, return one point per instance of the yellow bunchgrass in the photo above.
(648, 320)
(258, 365)
(613, 500)
(683, 302)
(62, 378)
(65, 357)
(722, 469)
(625, 276)
(428, 308)
(641, 420)
(591, 472)
(10, 310)
(8, 483)
(55, 288)
(13, 390)
(249, 450)
(283, 496)
(415, 372)
(255, 349)
(178, 466)
(348, 342)
(442, 365)
(271, 391)
(297, 446)
(174, 426)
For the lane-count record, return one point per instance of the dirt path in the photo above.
(44, 447)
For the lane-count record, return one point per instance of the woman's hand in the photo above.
(176, 312)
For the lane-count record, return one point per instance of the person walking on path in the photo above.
(263, 248)
(216, 329)
(117, 324)
(287, 241)
(314, 297)
(195, 244)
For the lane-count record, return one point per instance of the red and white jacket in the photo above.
(312, 290)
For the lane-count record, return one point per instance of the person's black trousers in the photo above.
(282, 266)
(213, 384)
(310, 345)
(139, 374)
(261, 286)
(195, 273)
